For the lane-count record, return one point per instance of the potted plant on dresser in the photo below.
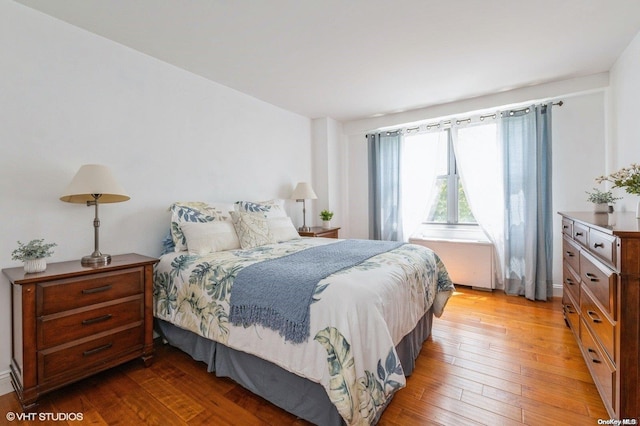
(33, 254)
(601, 200)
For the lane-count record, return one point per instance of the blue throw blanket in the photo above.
(277, 293)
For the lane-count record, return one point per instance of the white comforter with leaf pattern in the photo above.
(358, 317)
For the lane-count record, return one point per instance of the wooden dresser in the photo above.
(72, 321)
(601, 302)
(318, 231)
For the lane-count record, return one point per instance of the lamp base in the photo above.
(304, 229)
(96, 260)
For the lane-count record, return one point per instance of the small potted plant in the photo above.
(33, 254)
(601, 200)
(326, 216)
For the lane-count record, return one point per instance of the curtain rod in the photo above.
(467, 120)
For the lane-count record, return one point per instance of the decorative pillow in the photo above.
(271, 208)
(252, 229)
(209, 237)
(194, 211)
(282, 229)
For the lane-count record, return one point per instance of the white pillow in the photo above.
(209, 237)
(252, 229)
(282, 229)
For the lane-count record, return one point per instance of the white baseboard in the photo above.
(5, 383)
(557, 290)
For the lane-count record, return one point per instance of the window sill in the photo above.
(468, 233)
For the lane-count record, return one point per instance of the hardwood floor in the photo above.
(492, 359)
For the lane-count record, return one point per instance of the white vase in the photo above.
(35, 265)
(326, 224)
(601, 208)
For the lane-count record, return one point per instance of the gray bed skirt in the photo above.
(297, 395)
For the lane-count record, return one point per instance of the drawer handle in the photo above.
(579, 234)
(570, 281)
(598, 245)
(565, 226)
(594, 359)
(96, 319)
(96, 350)
(592, 314)
(569, 253)
(569, 309)
(592, 277)
(96, 290)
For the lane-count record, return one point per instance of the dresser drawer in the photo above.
(581, 234)
(571, 254)
(601, 326)
(61, 328)
(603, 372)
(600, 281)
(66, 294)
(567, 227)
(571, 281)
(603, 246)
(68, 359)
(570, 311)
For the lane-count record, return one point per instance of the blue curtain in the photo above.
(526, 136)
(385, 219)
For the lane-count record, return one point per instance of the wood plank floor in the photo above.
(492, 359)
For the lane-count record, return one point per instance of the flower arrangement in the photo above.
(600, 197)
(326, 214)
(627, 178)
(34, 249)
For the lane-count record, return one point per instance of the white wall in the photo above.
(69, 97)
(625, 104)
(578, 146)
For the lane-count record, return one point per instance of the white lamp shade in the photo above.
(94, 179)
(303, 191)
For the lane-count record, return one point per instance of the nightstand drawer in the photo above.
(571, 281)
(61, 328)
(581, 233)
(66, 294)
(69, 359)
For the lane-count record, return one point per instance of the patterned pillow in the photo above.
(271, 208)
(193, 211)
(252, 229)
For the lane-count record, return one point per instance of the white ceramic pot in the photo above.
(601, 208)
(326, 224)
(35, 265)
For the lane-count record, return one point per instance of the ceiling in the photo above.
(352, 59)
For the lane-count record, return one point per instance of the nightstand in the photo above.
(318, 231)
(72, 321)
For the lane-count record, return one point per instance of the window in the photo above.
(449, 203)
(444, 193)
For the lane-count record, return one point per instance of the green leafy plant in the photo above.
(627, 178)
(34, 249)
(600, 197)
(326, 215)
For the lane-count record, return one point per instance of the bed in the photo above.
(330, 340)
